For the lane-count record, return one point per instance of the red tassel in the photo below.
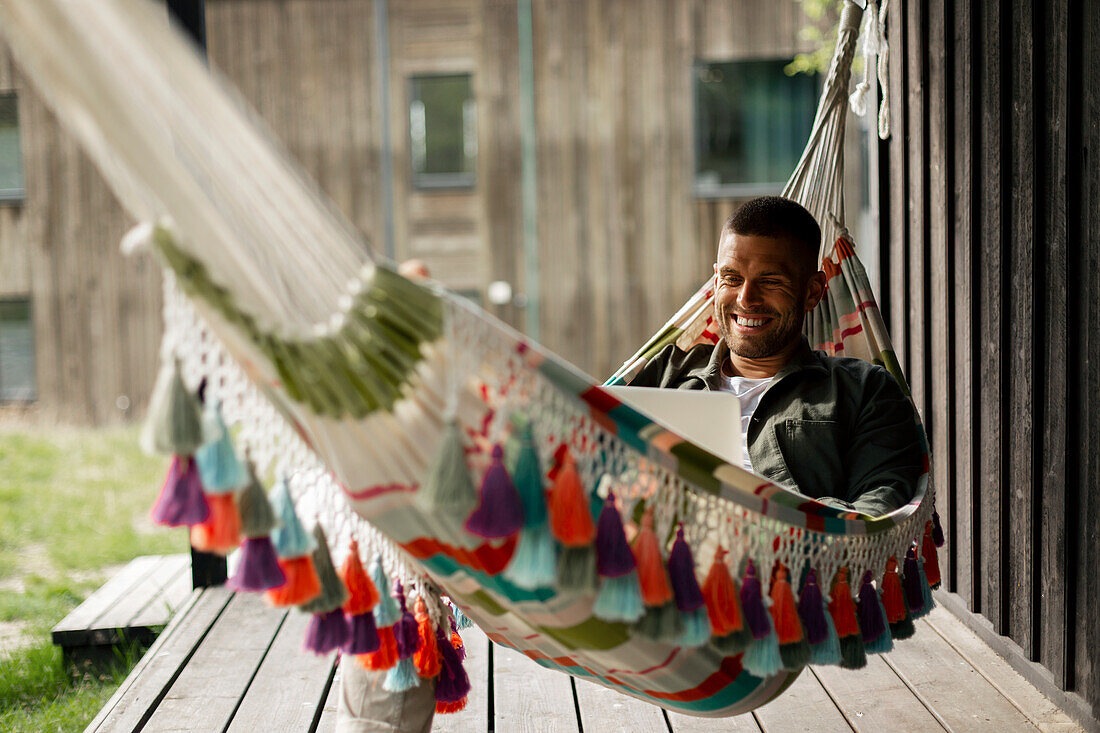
(456, 642)
(788, 628)
(842, 607)
(651, 568)
(721, 595)
(931, 558)
(302, 584)
(386, 656)
(426, 658)
(570, 514)
(451, 707)
(221, 532)
(362, 595)
(893, 597)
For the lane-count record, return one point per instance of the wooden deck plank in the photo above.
(206, 693)
(173, 584)
(875, 698)
(680, 723)
(290, 684)
(476, 715)
(77, 627)
(327, 721)
(604, 710)
(142, 690)
(527, 697)
(805, 705)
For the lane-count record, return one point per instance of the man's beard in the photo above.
(784, 329)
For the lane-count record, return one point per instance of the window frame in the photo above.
(28, 301)
(15, 196)
(452, 181)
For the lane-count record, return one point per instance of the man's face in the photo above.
(762, 293)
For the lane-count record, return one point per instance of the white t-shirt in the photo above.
(749, 392)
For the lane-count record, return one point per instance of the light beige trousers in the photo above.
(366, 708)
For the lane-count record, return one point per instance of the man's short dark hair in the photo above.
(778, 218)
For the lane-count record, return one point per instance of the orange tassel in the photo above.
(842, 607)
(426, 658)
(386, 656)
(570, 515)
(450, 707)
(651, 568)
(788, 628)
(722, 597)
(221, 532)
(893, 597)
(302, 583)
(456, 642)
(362, 594)
(931, 559)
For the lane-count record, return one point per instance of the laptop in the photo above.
(711, 420)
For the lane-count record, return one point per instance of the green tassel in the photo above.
(794, 656)
(619, 599)
(334, 593)
(257, 514)
(174, 423)
(534, 563)
(660, 623)
(387, 612)
(577, 570)
(448, 490)
(903, 629)
(401, 676)
(852, 653)
(762, 658)
(734, 642)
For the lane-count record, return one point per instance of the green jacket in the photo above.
(839, 430)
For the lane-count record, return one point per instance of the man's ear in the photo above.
(815, 290)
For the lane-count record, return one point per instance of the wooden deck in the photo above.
(230, 663)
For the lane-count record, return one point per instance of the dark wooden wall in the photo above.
(994, 305)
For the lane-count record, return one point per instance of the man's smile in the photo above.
(749, 324)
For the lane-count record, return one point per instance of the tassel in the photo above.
(333, 594)
(926, 592)
(426, 658)
(174, 422)
(931, 558)
(405, 631)
(619, 599)
(452, 684)
(576, 570)
(386, 654)
(689, 597)
(499, 513)
(462, 621)
(893, 602)
(842, 610)
(362, 634)
(444, 708)
(828, 651)
(652, 575)
(257, 515)
(794, 652)
(302, 583)
(401, 677)
(386, 612)
(872, 619)
(534, 563)
(221, 532)
(456, 642)
(363, 596)
(290, 537)
(447, 490)
(327, 632)
(722, 598)
(257, 568)
(811, 610)
(221, 470)
(937, 529)
(752, 604)
(915, 584)
(568, 506)
(762, 659)
(181, 501)
(620, 596)
(662, 623)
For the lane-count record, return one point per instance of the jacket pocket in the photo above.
(812, 451)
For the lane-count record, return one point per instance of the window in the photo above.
(442, 131)
(11, 153)
(751, 123)
(16, 352)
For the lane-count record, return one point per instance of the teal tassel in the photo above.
(661, 623)
(222, 472)
(290, 537)
(401, 676)
(527, 476)
(534, 564)
(447, 490)
(174, 422)
(925, 591)
(734, 642)
(762, 658)
(885, 642)
(257, 515)
(620, 599)
(696, 627)
(462, 622)
(387, 612)
(852, 654)
(577, 570)
(828, 651)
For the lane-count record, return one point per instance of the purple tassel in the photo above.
(181, 501)
(911, 580)
(681, 573)
(752, 604)
(405, 631)
(327, 632)
(499, 511)
(362, 635)
(871, 624)
(258, 568)
(937, 530)
(452, 684)
(613, 555)
(811, 609)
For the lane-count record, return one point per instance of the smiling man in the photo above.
(834, 429)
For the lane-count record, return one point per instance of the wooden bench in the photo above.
(230, 662)
(130, 608)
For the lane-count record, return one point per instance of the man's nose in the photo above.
(748, 295)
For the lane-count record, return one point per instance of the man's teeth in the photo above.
(742, 321)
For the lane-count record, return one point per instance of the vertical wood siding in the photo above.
(995, 298)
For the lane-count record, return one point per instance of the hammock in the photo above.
(488, 470)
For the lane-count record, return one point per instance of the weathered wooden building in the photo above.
(584, 153)
(994, 302)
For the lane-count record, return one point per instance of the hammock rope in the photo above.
(382, 399)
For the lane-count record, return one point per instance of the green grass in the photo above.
(73, 505)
